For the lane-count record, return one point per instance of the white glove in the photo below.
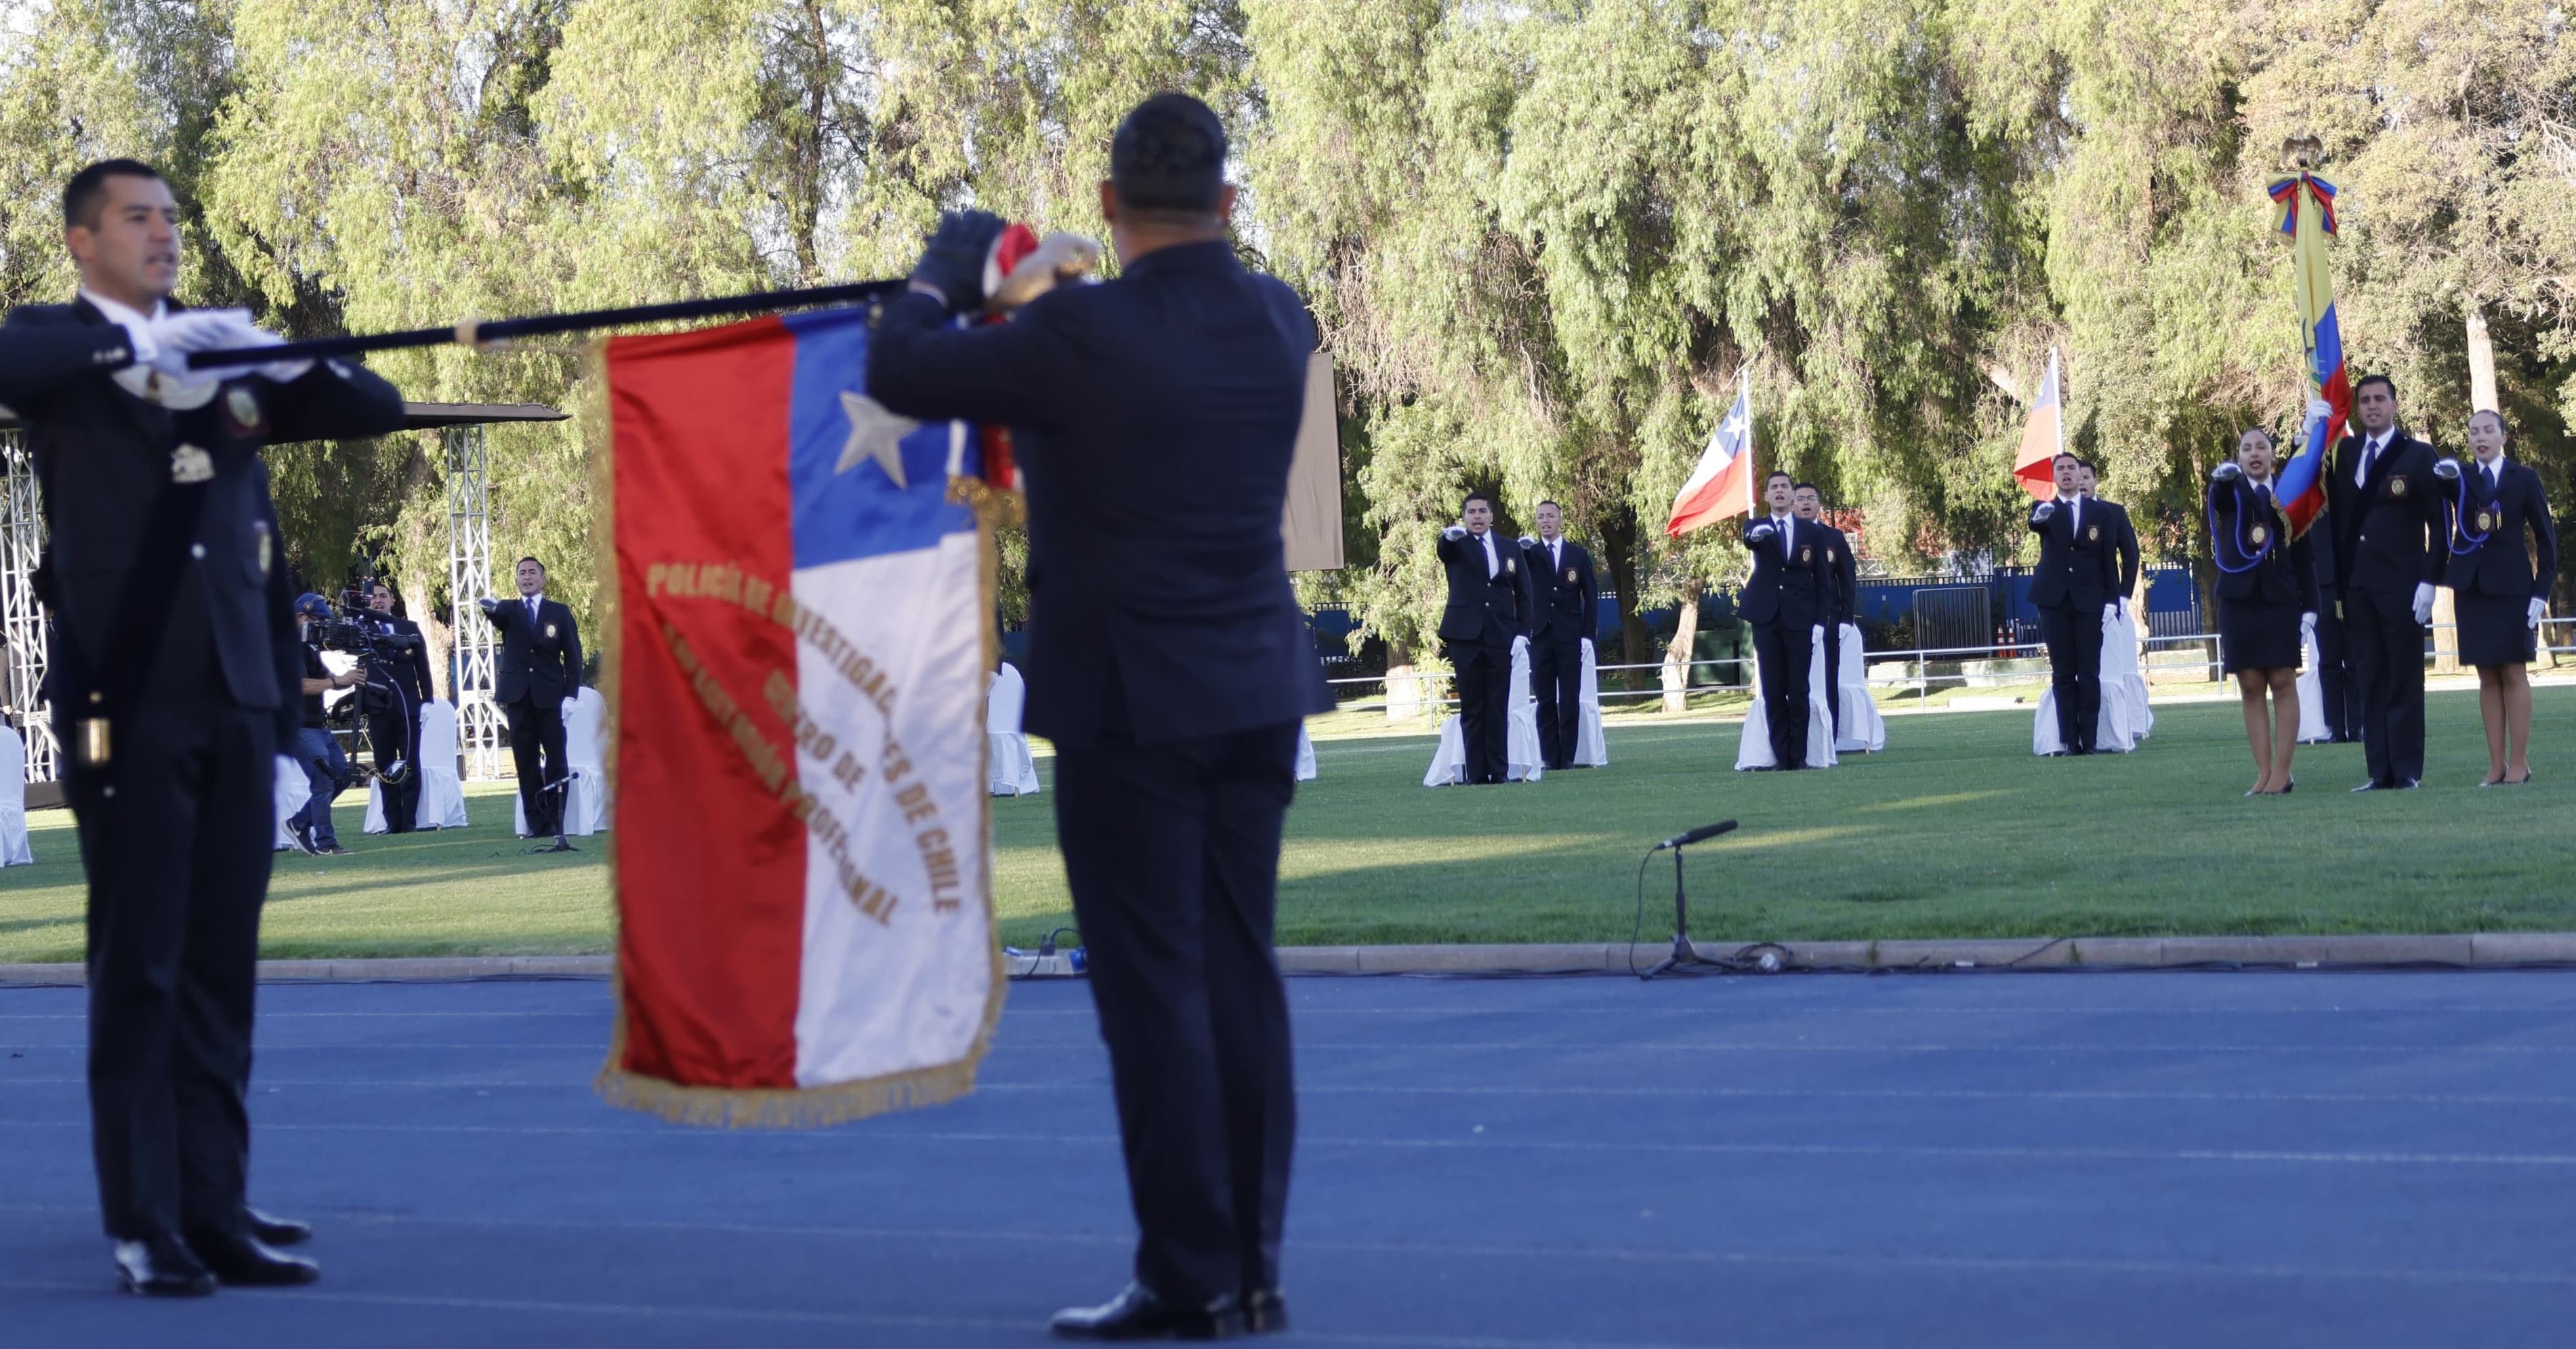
(2539, 610)
(1587, 642)
(1759, 533)
(2319, 413)
(2307, 625)
(160, 372)
(2043, 510)
(488, 605)
(1454, 532)
(2109, 611)
(2423, 605)
(241, 332)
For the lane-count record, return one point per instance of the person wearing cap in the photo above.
(173, 669)
(1156, 416)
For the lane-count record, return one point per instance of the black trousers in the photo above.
(1484, 671)
(393, 728)
(536, 724)
(1834, 675)
(2074, 636)
(1556, 681)
(2385, 648)
(2334, 679)
(1784, 651)
(175, 834)
(1172, 851)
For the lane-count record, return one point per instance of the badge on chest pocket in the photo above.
(1510, 565)
(2092, 533)
(550, 632)
(2397, 487)
(1806, 554)
(1569, 576)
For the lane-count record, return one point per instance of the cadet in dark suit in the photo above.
(2075, 581)
(1155, 416)
(1784, 600)
(396, 690)
(2334, 677)
(173, 669)
(1488, 614)
(2500, 589)
(1842, 591)
(2123, 536)
(2385, 508)
(538, 667)
(1567, 608)
(2267, 598)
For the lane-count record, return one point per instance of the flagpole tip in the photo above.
(2303, 153)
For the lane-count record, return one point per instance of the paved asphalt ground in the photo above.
(2158, 1159)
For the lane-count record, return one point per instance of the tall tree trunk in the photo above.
(1619, 554)
(1677, 660)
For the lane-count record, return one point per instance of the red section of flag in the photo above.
(1725, 494)
(710, 869)
(2042, 436)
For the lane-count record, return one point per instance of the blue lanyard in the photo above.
(2253, 554)
(2460, 517)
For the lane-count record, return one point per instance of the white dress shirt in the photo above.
(2370, 455)
(1493, 566)
(1787, 527)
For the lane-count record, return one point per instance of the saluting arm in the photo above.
(335, 400)
(37, 359)
(921, 368)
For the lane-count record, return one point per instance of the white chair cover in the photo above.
(292, 792)
(1520, 735)
(1009, 769)
(586, 796)
(2312, 693)
(2125, 718)
(1591, 747)
(14, 851)
(1753, 748)
(1864, 730)
(1305, 754)
(442, 797)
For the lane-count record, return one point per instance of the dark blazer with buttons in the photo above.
(103, 455)
(2504, 564)
(1481, 608)
(1568, 599)
(540, 656)
(1154, 416)
(2280, 573)
(1842, 568)
(2124, 539)
(2078, 565)
(2387, 531)
(1787, 586)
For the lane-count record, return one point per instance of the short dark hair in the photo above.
(2067, 454)
(2266, 434)
(86, 194)
(1805, 487)
(1559, 509)
(2367, 380)
(515, 565)
(381, 584)
(1473, 497)
(1169, 155)
(1777, 473)
(2487, 412)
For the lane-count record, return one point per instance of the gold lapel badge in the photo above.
(2485, 522)
(550, 632)
(2397, 486)
(2092, 533)
(2258, 534)
(1569, 576)
(188, 464)
(244, 407)
(1806, 553)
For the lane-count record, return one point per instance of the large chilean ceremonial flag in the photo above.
(805, 923)
(2043, 436)
(1722, 484)
(2307, 215)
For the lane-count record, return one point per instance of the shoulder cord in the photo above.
(2253, 556)
(2460, 521)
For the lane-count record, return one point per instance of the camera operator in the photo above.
(397, 668)
(326, 768)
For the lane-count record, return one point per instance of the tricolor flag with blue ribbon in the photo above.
(802, 637)
(2307, 215)
(1721, 484)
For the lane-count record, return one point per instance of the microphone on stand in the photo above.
(1705, 831)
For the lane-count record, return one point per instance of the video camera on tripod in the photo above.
(356, 630)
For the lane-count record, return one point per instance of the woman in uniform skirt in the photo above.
(2267, 599)
(2498, 592)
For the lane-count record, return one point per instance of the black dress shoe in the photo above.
(274, 1231)
(1139, 1313)
(161, 1266)
(1264, 1312)
(243, 1260)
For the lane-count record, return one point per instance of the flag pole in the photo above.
(2057, 376)
(1744, 390)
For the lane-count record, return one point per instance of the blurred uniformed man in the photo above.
(173, 664)
(1841, 592)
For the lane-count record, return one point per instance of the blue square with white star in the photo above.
(863, 481)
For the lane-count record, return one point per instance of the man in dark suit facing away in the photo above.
(1841, 596)
(175, 673)
(539, 667)
(1784, 601)
(1564, 619)
(1486, 617)
(2390, 551)
(2076, 580)
(2120, 531)
(1155, 417)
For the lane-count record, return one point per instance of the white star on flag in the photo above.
(874, 434)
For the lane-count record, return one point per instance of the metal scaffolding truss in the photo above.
(22, 618)
(469, 577)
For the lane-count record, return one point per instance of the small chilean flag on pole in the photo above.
(803, 632)
(1722, 485)
(2043, 437)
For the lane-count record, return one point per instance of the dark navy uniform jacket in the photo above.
(104, 456)
(2078, 570)
(1154, 417)
(1791, 585)
(1492, 608)
(2503, 564)
(2386, 531)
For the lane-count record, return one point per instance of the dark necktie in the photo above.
(2491, 479)
(532, 611)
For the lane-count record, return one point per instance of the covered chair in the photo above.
(1864, 730)
(2125, 718)
(14, 851)
(1520, 735)
(1753, 748)
(2312, 692)
(292, 792)
(442, 797)
(1591, 747)
(585, 809)
(1009, 770)
(1305, 754)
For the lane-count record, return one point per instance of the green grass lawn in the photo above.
(1957, 831)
